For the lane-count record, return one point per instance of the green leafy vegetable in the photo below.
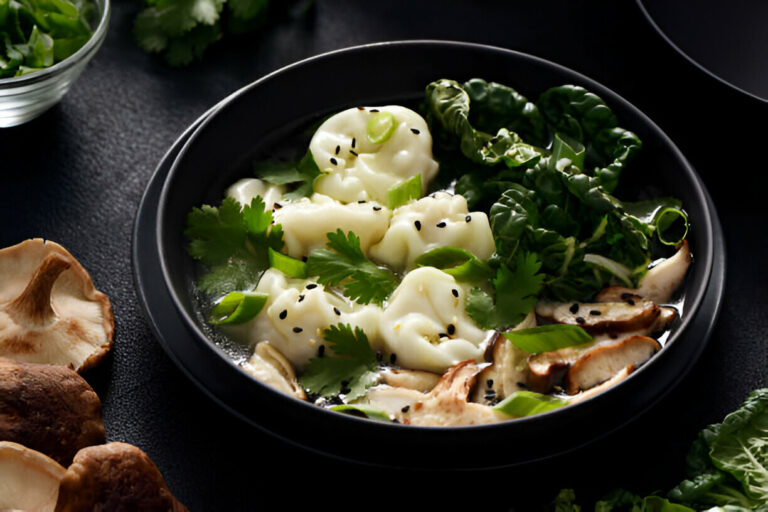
(344, 263)
(527, 403)
(403, 192)
(301, 175)
(516, 293)
(461, 264)
(548, 337)
(36, 34)
(350, 371)
(237, 308)
(233, 243)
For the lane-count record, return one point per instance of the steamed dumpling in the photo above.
(439, 220)
(358, 169)
(425, 325)
(243, 191)
(306, 223)
(299, 310)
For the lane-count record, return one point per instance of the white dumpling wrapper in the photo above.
(424, 306)
(404, 241)
(307, 222)
(377, 166)
(243, 191)
(310, 316)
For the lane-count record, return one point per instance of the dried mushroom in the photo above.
(50, 311)
(29, 480)
(115, 477)
(48, 408)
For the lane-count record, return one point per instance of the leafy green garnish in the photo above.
(301, 175)
(516, 292)
(350, 371)
(233, 243)
(35, 34)
(237, 308)
(548, 337)
(460, 263)
(344, 263)
(527, 403)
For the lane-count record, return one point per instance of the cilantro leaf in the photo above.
(301, 175)
(351, 370)
(516, 293)
(363, 281)
(232, 242)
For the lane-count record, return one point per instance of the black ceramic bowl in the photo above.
(220, 150)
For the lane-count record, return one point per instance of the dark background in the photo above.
(76, 175)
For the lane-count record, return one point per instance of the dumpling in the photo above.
(307, 222)
(357, 169)
(299, 310)
(243, 191)
(439, 220)
(425, 325)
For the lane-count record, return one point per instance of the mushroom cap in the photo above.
(50, 312)
(116, 477)
(48, 408)
(29, 480)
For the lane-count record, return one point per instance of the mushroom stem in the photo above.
(34, 303)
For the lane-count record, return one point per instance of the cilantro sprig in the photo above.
(301, 175)
(233, 242)
(516, 292)
(344, 263)
(350, 371)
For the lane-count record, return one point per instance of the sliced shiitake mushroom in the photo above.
(48, 408)
(50, 311)
(115, 477)
(29, 480)
(271, 367)
(631, 314)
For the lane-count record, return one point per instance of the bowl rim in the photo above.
(704, 255)
(90, 46)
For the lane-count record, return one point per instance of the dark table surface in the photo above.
(76, 176)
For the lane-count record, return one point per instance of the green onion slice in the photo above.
(403, 192)
(671, 226)
(380, 127)
(461, 264)
(545, 338)
(614, 267)
(287, 265)
(237, 308)
(365, 410)
(527, 403)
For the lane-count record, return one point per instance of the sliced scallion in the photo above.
(365, 410)
(401, 193)
(545, 338)
(461, 264)
(287, 265)
(380, 127)
(614, 267)
(527, 403)
(668, 226)
(237, 308)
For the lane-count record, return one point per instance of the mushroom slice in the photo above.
(594, 391)
(603, 317)
(114, 476)
(410, 379)
(50, 311)
(269, 366)
(603, 362)
(48, 408)
(29, 480)
(659, 283)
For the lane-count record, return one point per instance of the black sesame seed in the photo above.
(415, 131)
(468, 218)
(304, 259)
(379, 356)
(321, 351)
(626, 295)
(522, 385)
(297, 330)
(451, 329)
(455, 292)
(360, 108)
(374, 110)
(338, 148)
(301, 298)
(376, 208)
(490, 395)
(361, 201)
(353, 142)
(334, 161)
(311, 286)
(405, 409)
(283, 314)
(574, 308)
(631, 302)
(353, 152)
(417, 224)
(580, 319)
(336, 310)
(595, 312)
(392, 358)
(395, 420)
(441, 224)
(443, 335)
(344, 391)
(489, 383)
(278, 206)
(613, 335)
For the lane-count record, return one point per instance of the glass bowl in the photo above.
(25, 97)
